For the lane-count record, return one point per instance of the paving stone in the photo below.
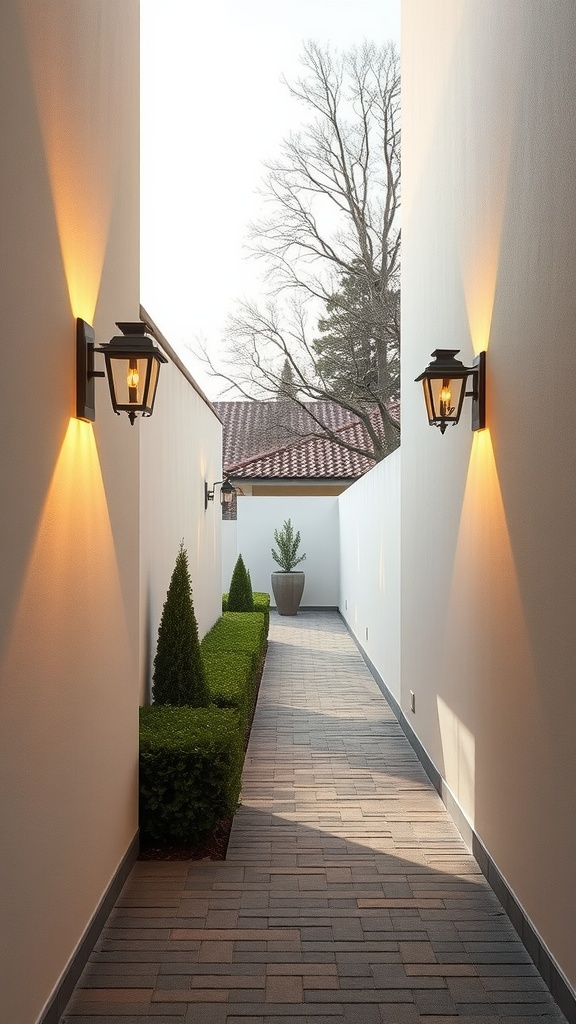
(531, 983)
(321, 983)
(216, 952)
(362, 1015)
(440, 970)
(432, 1002)
(109, 995)
(468, 990)
(305, 970)
(123, 981)
(119, 1010)
(400, 1013)
(357, 983)
(507, 970)
(173, 981)
(284, 989)
(207, 1013)
(191, 995)
(417, 952)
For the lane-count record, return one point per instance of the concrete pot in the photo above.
(287, 588)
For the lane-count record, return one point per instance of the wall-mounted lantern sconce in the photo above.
(444, 382)
(132, 367)
(227, 492)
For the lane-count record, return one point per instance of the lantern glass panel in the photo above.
(428, 399)
(154, 370)
(446, 397)
(133, 381)
(128, 379)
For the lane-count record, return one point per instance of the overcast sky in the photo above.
(213, 109)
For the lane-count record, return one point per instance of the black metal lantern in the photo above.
(227, 492)
(132, 367)
(444, 382)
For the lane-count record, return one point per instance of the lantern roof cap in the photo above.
(444, 364)
(133, 340)
(130, 327)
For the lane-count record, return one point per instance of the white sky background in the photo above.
(213, 110)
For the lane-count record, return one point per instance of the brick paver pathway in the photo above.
(347, 896)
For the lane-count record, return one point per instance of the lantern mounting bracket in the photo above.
(478, 393)
(85, 372)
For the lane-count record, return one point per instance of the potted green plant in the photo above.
(287, 585)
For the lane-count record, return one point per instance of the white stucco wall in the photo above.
(488, 554)
(181, 447)
(69, 210)
(229, 553)
(315, 518)
(369, 514)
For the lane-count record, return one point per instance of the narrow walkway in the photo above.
(347, 896)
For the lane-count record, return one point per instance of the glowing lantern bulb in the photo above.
(132, 380)
(445, 399)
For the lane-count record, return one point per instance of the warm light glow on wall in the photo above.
(80, 145)
(485, 626)
(484, 578)
(482, 222)
(480, 272)
(71, 595)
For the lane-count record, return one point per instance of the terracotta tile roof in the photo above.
(251, 428)
(264, 440)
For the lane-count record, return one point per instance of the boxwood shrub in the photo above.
(261, 604)
(190, 771)
(240, 596)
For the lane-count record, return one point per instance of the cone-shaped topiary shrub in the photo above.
(240, 597)
(178, 670)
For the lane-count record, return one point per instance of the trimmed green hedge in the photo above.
(233, 653)
(261, 604)
(191, 758)
(236, 631)
(190, 771)
(231, 676)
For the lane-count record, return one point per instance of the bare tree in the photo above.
(329, 242)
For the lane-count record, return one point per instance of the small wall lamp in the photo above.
(132, 367)
(227, 492)
(444, 382)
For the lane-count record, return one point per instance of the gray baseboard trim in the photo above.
(311, 608)
(59, 1000)
(560, 988)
